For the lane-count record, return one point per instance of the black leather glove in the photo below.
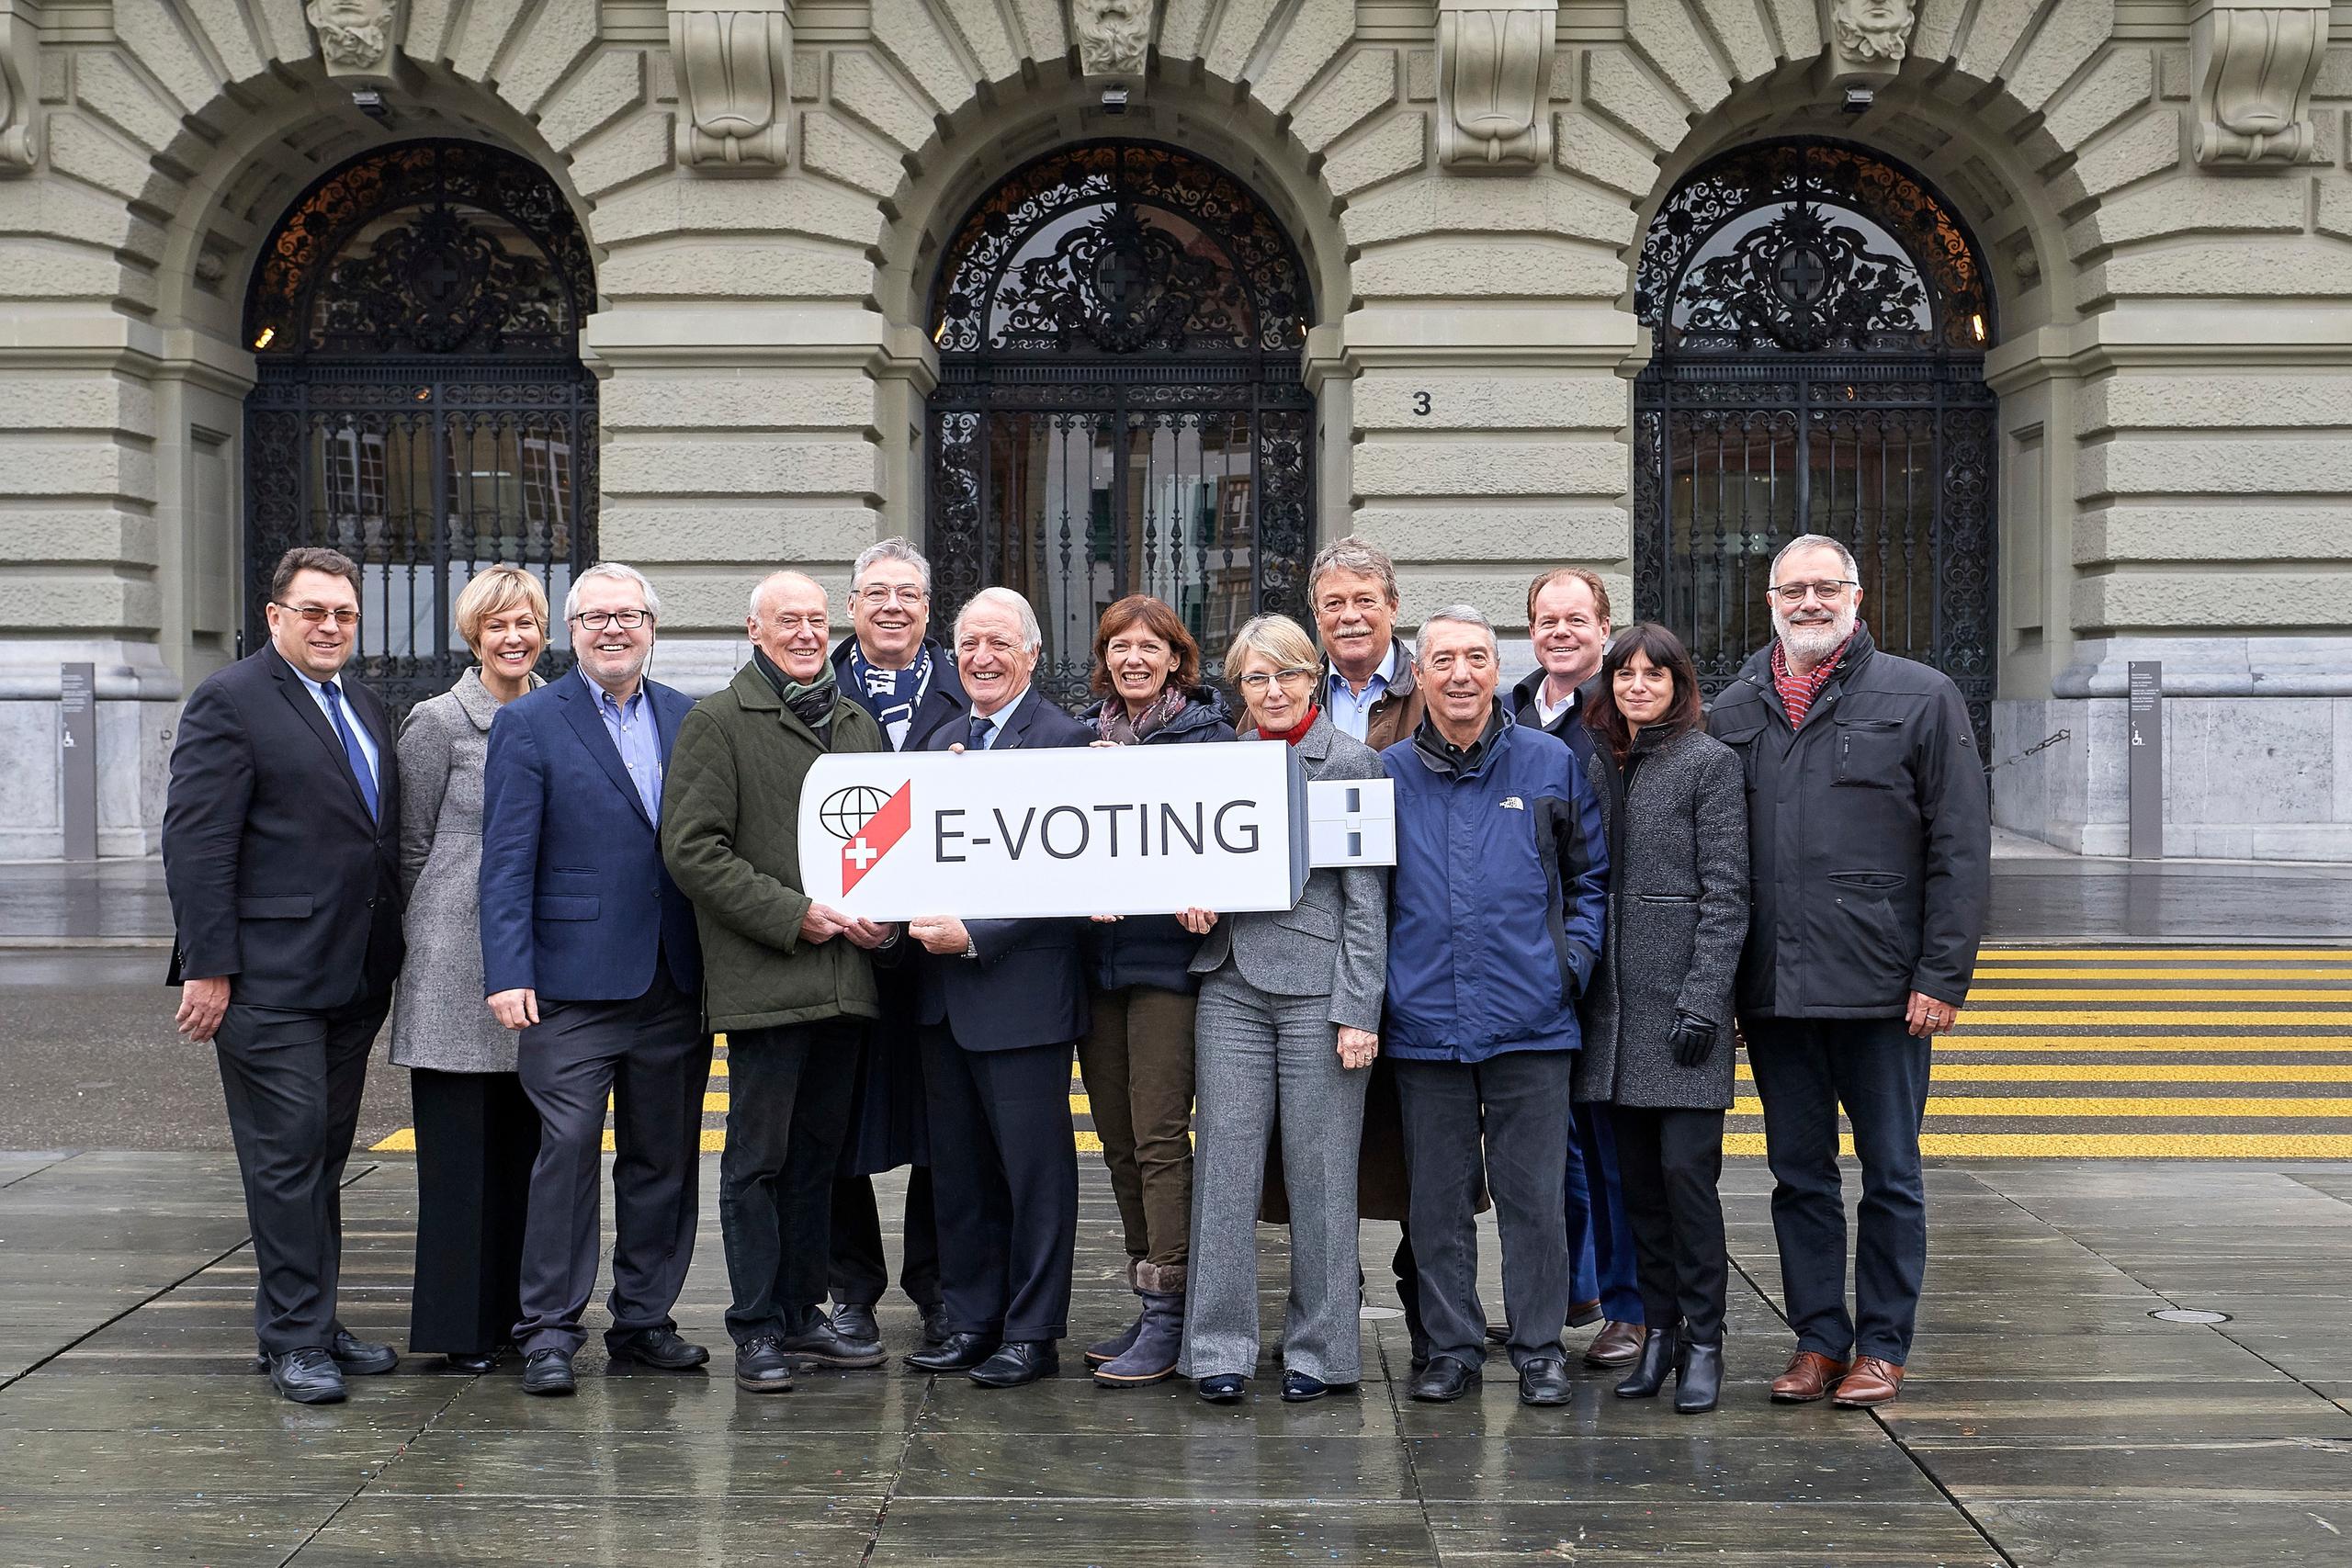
(1693, 1039)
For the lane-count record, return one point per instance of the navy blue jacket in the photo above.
(1028, 986)
(1501, 886)
(1155, 950)
(576, 901)
(1569, 726)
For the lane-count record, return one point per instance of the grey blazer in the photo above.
(1335, 941)
(1677, 916)
(439, 1019)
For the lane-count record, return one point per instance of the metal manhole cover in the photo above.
(2188, 1314)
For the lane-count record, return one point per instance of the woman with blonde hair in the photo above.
(476, 1133)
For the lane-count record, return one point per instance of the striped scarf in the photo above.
(1798, 692)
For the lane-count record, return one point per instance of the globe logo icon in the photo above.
(846, 810)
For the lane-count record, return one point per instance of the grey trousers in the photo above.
(1254, 1054)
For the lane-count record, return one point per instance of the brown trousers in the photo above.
(1136, 1060)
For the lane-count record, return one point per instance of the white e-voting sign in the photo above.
(1099, 830)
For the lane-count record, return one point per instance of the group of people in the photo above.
(1603, 888)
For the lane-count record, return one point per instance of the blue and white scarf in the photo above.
(890, 696)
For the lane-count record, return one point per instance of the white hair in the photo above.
(1814, 542)
(1358, 555)
(892, 548)
(614, 569)
(1463, 614)
(1033, 637)
(761, 589)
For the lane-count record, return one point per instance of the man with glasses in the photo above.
(281, 834)
(891, 667)
(1872, 853)
(589, 950)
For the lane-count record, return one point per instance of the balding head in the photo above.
(789, 622)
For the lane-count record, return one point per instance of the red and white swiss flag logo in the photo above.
(869, 824)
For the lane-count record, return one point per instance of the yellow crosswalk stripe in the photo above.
(2177, 1043)
(2141, 976)
(2239, 1016)
(2129, 1072)
(2106, 1146)
(2143, 993)
(2112, 1105)
(2159, 954)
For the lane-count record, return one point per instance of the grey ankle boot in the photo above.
(1160, 1340)
(1110, 1349)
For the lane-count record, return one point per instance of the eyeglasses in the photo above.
(317, 615)
(878, 596)
(1797, 593)
(1254, 684)
(627, 620)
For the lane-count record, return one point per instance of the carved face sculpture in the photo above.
(352, 32)
(1873, 29)
(1112, 35)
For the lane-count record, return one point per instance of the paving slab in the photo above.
(1064, 1534)
(1740, 1534)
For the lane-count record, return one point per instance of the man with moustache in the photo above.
(1001, 1005)
(785, 976)
(1568, 620)
(282, 835)
(589, 950)
(1500, 887)
(1369, 682)
(1871, 855)
(905, 680)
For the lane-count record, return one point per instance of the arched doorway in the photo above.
(420, 405)
(1820, 321)
(1119, 411)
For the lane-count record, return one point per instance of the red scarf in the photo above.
(1292, 737)
(1798, 692)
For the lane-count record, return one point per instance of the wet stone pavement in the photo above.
(2049, 1419)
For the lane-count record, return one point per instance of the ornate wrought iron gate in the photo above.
(1819, 321)
(420, 404)
(1119, 408)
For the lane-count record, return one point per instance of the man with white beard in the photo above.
(1871, 854)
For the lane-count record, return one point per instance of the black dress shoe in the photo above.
(956, 1353)
(356, 1357)
(1225, 1388)
(470, 1362)
(1651, 1368)
(1444, 1381)
(1699, 1379)
(1543, 1382)
(1017, 1362)
(821, 1343)
(307, 1376)
(1298, 1388)
(548, 1373)
(659, 1347)
(935, 1328)
(857, 1324)
(761, 1367)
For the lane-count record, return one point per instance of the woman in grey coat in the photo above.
(1657, 1023)
(476, 1133)
(1288, 1019)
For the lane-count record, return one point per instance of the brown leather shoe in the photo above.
(1617, 1345)
(1872, 1381)
(1809, 1376)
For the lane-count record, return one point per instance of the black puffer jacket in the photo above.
(1869, 839)
(1156, 950)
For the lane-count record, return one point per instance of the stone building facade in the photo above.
(2046, 305)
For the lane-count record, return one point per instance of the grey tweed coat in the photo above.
(439, 1019)
(1677, 916)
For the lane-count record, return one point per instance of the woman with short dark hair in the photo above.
(1657, 1021)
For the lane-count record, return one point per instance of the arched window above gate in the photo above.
(420, 404)
(1120, 327)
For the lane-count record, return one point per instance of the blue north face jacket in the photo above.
(1502, 883)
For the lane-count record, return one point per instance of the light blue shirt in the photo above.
(631, 726)
(358, 730)
(1351, 713)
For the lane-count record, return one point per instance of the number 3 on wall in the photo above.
(1421, 405)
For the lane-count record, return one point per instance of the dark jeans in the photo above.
(293, 1080)
(1598, 1223)
(861, 1270)
(788, 1107)
(1804, 1070)
(1520, 1101)
(1671, 1161)
(651, 1058)
(1137, 1059)
(1004, 1162)
(476, 1139)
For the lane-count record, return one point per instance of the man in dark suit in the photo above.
(282, 835)
(1001, 1004)
(907, 681)
(589, 949)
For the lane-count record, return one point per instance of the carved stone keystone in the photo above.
(2253, 62)
(359, 40)
(734, 81)
(1494, 82)
(1868, 38)
(1114, 35)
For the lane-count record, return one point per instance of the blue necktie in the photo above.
(977, 738)
(351, 751)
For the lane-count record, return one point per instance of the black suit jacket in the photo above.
(279, 878)
(1028, 986)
